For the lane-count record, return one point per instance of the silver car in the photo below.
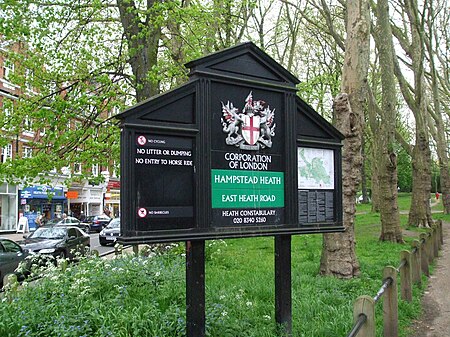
(110, 233)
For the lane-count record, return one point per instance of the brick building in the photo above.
(33, 199)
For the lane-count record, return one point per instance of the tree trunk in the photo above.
(375, 184)
(143, 40)
(420, 212)
(438, 133)
(365, 195)
(338, 253)
(338, 250)
(387, 159)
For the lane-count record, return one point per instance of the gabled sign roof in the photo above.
(312, 126)
(245, 61)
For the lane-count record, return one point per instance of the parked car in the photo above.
(11, 254)
(68, 221)
(110, 233)
(97, 222)
(58, 241)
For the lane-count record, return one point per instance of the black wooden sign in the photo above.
(232, 153)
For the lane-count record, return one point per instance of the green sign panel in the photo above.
(247, 189)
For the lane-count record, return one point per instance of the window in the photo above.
(72, 232)
(77, 168)
(114, 170)
(6, 153)
(7, 107)
(11, 247)
(8, 70)
(6, 111)
(114, 111)
(95, 170)
(27, 125)
(27, 152)
(29, 79)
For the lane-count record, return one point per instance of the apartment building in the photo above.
(55, 198)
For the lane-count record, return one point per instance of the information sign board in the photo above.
(232, 153)
(164, 184)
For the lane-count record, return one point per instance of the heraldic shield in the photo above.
(251, 128)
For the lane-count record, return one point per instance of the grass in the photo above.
(146, 297)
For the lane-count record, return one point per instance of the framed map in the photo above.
(315, 168)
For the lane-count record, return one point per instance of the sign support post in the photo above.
(195, 288)
(283, 294)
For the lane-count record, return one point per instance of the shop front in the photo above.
(112, 198)
(39, 199)
(85, 201)
(8, 207)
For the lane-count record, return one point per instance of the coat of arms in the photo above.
(251, 128)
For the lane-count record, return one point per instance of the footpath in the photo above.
(435, 319)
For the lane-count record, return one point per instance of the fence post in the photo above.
(95, 253)
(63, 264)
(365, 305)
(430, 250)
(423, 254)
(10, 281)
(415, 263)
(441, 233)
(435, 240)
(136, 250)
(406, 276)
(390, 304)
(118, 249)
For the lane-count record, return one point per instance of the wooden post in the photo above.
(365, 305)
(424, 254)
(435, 238)
(9, 279)
(415, 263)
(195, 288)
(136, 250)
(283, 294)
(429, 246)
(390, 304)
(439, 233)
(406, 276)
(95, 253)
(63, 264)
(441, 230)
(118, 249)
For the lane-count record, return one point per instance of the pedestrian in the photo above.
(82, 216)
(38, 220)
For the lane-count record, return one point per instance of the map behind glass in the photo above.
(315, 168)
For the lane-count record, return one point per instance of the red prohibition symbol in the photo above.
(142, 212)
(142, 140)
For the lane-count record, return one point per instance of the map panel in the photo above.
(315, 168)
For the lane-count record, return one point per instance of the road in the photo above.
(95, 244)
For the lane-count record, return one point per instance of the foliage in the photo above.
(145, 296)
(79, 63)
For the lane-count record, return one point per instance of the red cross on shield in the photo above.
(250, 129)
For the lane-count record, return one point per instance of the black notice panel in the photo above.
(315, 207)
(234, 152)
(164, 182)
